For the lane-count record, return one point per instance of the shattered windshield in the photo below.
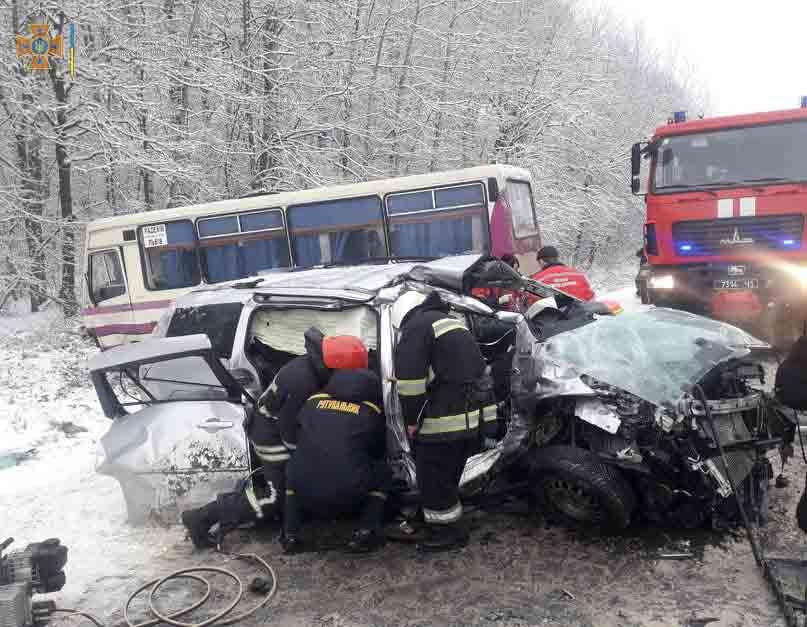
(655, 354)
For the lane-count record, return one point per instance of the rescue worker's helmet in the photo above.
(547, 252)
(344, 352)
(405, 303)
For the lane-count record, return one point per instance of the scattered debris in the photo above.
(12, 457)
(68, 427)
(675, 556)
(567, 593)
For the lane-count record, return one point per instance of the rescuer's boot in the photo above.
(292, 521)
(365, 541)
(801, 511)
(291, 544)
(444, 538)
(198, 523)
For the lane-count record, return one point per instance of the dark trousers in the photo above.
(319, 497)
(439, 466)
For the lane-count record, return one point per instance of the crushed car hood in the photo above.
(657, 355)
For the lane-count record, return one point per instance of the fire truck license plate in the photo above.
(736, 284)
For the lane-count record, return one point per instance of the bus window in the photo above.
(438, 222)
(169, 253)
(337, 231)
(106, 276)
(237, 246)
(519, 197)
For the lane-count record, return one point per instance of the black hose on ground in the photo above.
(751, 539)
(221, 617)
(72, 612)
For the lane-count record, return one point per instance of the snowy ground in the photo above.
(47, 403)
(513, 574)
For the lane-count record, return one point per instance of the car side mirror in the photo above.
(243, 377)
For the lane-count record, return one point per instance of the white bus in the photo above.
(137, 264)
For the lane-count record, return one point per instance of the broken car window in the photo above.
(217, 321)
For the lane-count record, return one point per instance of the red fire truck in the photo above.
(726, 203)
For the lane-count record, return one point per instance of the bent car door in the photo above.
(177, 439)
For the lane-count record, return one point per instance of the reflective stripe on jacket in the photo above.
(273, 431)
(437, 364)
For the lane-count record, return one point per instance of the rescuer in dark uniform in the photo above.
(791, 389)
(271, 430)
(339, 465)
(443, 413)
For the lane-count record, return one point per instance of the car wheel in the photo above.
(574, 488)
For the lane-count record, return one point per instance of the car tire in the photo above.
(573, 487)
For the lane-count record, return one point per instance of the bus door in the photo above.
(526, 235)
(109, 318)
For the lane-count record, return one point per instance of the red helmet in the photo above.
(344, 352)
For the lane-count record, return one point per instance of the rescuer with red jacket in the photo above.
(561, 277)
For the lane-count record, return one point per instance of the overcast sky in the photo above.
(750, 55)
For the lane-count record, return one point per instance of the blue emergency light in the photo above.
(804, 102)
(685, 247)
(789, 242)
(679, 116)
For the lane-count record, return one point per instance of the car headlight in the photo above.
(799, 273)
(662, 282)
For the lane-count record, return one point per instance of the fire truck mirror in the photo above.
(636, 168)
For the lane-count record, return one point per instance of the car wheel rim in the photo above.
(573, 500)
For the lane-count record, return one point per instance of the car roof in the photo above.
(358, 283)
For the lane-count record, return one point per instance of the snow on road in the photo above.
(47, 403)
(626, 297)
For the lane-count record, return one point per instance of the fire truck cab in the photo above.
(726, 200)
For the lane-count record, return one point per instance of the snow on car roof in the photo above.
(148, 350)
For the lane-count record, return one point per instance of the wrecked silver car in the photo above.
(655, 415)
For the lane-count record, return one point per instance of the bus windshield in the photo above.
(341, 231)
(769, 154)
